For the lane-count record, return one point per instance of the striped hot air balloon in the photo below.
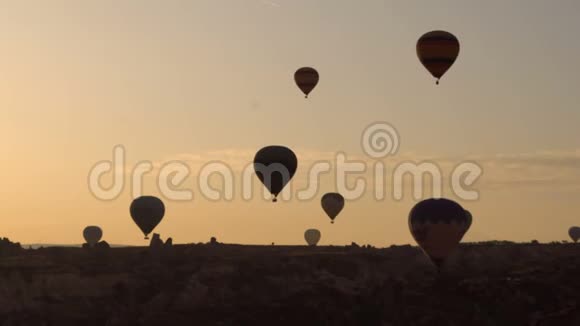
(438, 226)
(306, 78)
(437, 51)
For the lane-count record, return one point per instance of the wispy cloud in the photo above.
(270, 3)
(545, 169)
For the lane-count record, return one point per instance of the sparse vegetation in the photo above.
(8, 248)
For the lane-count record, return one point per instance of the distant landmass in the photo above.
(47, 245)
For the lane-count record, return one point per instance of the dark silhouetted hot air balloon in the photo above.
(92, 235)
(574, 233)
(312, 236)
(147, 212)
(275, 166)
(306, 78)
(332, 203)
(469, 220)
(437, 51)
(438, 226)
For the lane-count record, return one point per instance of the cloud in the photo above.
(545, 170)
(270, 3)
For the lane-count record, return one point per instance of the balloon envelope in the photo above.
(438, 226)
(147, 212)
(574, 233)
(306, 78)
(469, 220)
(92, 234)
(312, 236)
(332, 203)
(275, 166)
(437, 51)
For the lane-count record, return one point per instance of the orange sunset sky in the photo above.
(207, 80)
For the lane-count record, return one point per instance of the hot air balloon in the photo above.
(306, 78)
(275, 166)
(574, 233)
(437, 51)
(332, 203)
(438, 226)
(147, 212)
(312, 236)
(92, 235)
(469, 220)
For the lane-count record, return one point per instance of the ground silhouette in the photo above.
(496, 283)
